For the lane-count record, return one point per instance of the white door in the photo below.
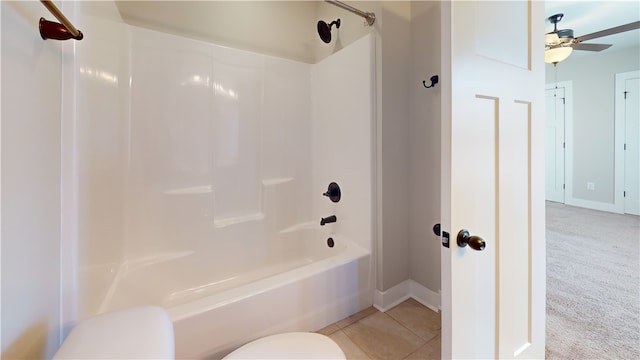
(554, 144)
(632, 150)
(493, 300)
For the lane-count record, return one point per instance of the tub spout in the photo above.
(328, 219)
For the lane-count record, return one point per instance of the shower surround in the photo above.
(194, 174)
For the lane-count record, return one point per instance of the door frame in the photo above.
(568, 137)
(619, 138)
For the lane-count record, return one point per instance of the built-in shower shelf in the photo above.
(299, 226)
(133, 264)
(207, 189)
(224, 222)
(276, 181)
(204, 189)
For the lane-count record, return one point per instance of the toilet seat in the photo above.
(294, 345)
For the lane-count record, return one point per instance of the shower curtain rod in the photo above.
(369, 16)
(52, 30)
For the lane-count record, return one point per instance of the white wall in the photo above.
(424, 141)
(409, 151)
(393, 143)
(279, 28)
(31, 112)
(593, 77)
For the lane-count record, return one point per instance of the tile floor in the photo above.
(407, 331)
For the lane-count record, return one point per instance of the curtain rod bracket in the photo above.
(58, 31)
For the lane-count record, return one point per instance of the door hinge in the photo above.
(625, 94)
(625, 147)
(563, 101)
(563, 187)
(563, 145)
(624, 194)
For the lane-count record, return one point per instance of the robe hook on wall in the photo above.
(434, 81)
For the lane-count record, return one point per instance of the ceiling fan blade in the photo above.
(610, 31)
(590, 47)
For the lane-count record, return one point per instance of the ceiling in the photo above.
(206, 18)
(586, 17)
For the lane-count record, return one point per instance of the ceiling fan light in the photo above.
(551, 39)
(557, 55)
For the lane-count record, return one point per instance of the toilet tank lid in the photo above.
(136, 333)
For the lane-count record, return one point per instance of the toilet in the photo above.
(136, 333)
(293, 345)
(147, 333)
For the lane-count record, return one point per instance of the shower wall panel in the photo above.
(174, 147)
(219, 147)
(170, 165)
(94, 144)
(286, 143)
(184, 148)
(343, 133)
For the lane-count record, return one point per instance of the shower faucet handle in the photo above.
(333, 192)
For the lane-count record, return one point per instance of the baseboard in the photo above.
(385, 300)
(594, 205)
(425, 296)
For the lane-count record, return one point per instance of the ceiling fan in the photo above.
(560, 43)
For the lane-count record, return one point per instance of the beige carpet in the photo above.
(593, 284)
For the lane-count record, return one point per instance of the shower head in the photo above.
(324, 30)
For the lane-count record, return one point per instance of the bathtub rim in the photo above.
(351, 251)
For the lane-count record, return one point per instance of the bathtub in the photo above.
(301, 284)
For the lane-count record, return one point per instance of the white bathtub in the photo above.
(302, 284)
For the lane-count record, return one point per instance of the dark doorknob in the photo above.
(475, 242)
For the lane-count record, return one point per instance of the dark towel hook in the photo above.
(434, 81)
